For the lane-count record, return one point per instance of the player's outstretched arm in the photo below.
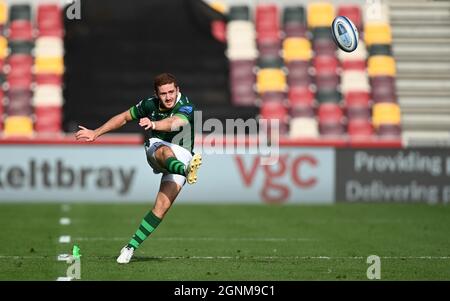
(112, 124)
(169, 124)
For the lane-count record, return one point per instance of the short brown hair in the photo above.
(164, 79)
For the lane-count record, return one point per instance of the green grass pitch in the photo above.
(230, 242)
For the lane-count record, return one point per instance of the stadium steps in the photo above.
(434, 104)
(411, 69)
(429, 122)
(421, 47)
(426, 138)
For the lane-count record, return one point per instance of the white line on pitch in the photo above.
(64, 239)
(263, 239)
(21, 257)
(297, 257)
(248, 257)
(64, 221)
(63, 257)
(64, 279)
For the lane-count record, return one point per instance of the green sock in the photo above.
(175, 166)
(148, 225)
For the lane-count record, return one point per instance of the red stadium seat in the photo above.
(49, 20)
(267, 23)
(49, 79)
(353, 12)
(51, 32)
(218, 30)
(274, 110)
(48, 119)
(267, 36)
(330, 113)
(360, 128)
(354, 65)
(325, 64)
(46, 12)
(19, 64)
(21, 30)
(18, 60)
(300, 96)
(357, 99)
(267, 17)
(19, 81)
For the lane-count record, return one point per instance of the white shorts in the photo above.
(181, 154)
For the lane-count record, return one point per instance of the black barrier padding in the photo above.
(117, 47)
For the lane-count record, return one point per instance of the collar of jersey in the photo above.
(164, 110)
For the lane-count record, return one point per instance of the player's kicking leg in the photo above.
(191, 169)
(171, 185)
(179, 161)
(167, 194)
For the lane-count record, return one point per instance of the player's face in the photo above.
(167, 95)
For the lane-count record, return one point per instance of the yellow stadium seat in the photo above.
(219, 6)
(297, 49)
(381, 65)
(3, 47)
(53, 65)
(320, 14)
(18, 126)
(3, 12)
(271, 79)
(376, 33)
(386, 113)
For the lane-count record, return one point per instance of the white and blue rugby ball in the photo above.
(345, 33)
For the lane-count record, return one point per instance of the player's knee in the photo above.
(163, 153)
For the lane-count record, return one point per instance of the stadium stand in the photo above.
(19, 72)
(381, 68)
(32, 64)
(280, 49)
(49, 52)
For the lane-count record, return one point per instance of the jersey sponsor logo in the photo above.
(186, 110)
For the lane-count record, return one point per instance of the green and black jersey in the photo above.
(183, 108)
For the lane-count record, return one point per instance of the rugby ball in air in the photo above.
(345, 33)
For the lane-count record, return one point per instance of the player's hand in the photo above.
(85, 133)
(146, 123)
